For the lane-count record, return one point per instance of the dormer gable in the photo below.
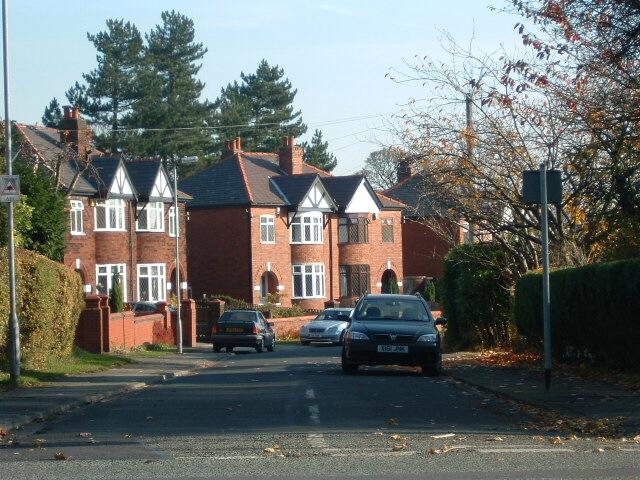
(121, 183)
(161, 190)
(317, 198)
(363, 200)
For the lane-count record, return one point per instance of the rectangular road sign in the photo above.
(9, 188)
(531, 186)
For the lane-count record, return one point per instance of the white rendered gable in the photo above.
(121, 185)
(315, 198)
(161, 188)
(362, 201)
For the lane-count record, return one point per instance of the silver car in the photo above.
(327, 327)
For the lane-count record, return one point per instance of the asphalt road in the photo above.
(292, 413)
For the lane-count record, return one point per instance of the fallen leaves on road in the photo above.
(398, 437)
(273, 450)
(392, 421)
(84, 434)
(398, 448)
(444, 435)
(3, 432)
(571, 437)
(495, 439)
(127, 435)
(378, 434)
(439, 451)
(60, 456)
(38, 442)
(149, 417)
(598, 450)
(556, 441)
(636, 439)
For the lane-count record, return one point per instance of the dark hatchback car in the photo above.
(243, 328)
(392, 330)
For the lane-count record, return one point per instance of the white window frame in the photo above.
(76, 217)
(150, 211)
(115, 204)
(161, 277)
(269, 224)
(172, 221)
(318, 280)
(109, 267)
(311, 223)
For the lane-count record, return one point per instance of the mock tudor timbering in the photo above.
(268, 227)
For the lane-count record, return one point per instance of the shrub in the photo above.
(476, 291)
(276, 311)
(116, 296)
(594, 312)
(50, 300)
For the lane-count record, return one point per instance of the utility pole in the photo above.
(546, 293)
(176, 224)
(14, 326)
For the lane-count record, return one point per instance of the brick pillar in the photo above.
(89, 331)
(106, 316)
(188, 322)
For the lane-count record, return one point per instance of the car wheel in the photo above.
(260, 347)
(433, 368)
(216, 347)
(341, 341)
(273, 345)
(229, 349)
(348, 368)
(305, 342)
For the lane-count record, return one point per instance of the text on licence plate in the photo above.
(393, 348)
(234, 330)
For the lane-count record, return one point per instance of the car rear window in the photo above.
(392, 309)
(238, 317)
(332, 314)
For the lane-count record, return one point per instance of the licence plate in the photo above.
(393, 348)
(234, 330)
(315, 335)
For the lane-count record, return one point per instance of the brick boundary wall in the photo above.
(290, 327)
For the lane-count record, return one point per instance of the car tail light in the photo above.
(255, 330)
(214, 328)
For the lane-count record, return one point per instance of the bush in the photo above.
(276, 311)
(50, 300)
(594, 312)
(476, 291)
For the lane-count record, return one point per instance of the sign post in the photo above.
(543, 187)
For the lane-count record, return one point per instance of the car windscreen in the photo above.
(331, 315)
(238, 317)
(408, 309)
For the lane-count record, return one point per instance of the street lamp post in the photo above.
(176, 223)
(14, 326)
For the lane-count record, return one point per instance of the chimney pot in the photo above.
(67, 111)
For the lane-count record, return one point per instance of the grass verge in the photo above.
(57, 368)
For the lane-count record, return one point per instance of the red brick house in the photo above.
(266, 226)
(121, 216)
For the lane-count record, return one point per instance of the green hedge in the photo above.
(232, 303)
(477, 296)
(595, 312)
(50, 300)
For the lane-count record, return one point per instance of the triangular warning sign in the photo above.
(10, 187)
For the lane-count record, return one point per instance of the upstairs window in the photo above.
(77, 217)
(354, 280)
(110, 215)
(267, 229)
(150, 217)
(387, 230)
(307, 228)
(172, 221)
(353, 230)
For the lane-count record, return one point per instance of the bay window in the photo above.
(308, 281)
(151, 282)
(110, 215)
(354, 280)
(307, 228)
(104, 278)
(150, 217)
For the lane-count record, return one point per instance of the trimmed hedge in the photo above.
(595, 312)
(477, 296)
(232, 303)
(50, 300)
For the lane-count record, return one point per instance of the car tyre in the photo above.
(216, 348)
(260, 347)
(272, 347)
(229, 349)
(433, 368)
(305, 342)
(348, 368)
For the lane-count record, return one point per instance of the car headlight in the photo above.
(304, 328)
(355, 336)
(332, 329)
(428, 338)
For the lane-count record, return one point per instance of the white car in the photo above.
(327, 327)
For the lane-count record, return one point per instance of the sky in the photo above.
(335, 53)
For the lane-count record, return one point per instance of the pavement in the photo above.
(569, 395)
(293, 414)
(22, 406)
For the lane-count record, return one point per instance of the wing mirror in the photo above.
(440, 321)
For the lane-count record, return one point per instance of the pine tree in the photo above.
(316, 153)
(77, 97)
(52, 114)
(111, 87)
(169, 99)
(264, 100)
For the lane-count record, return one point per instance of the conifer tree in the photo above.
(52, 114)
(317, 153)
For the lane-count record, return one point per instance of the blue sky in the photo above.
(336, 53)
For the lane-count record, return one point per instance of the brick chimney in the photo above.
(404, 170)
(75, 132)
(290, 157)
(233, 146)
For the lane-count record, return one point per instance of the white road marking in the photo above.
(310, 394)
(316, 440)
(525, 450)
(314, 414)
